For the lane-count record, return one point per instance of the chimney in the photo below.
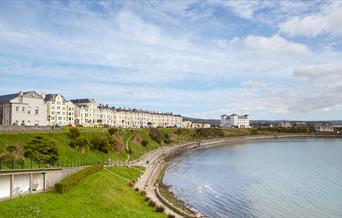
(21, 97)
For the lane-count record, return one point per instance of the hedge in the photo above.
(72, 180)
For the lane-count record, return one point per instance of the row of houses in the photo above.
(33, 109)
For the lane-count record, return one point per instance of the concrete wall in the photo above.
(20, 182)
(26, 128)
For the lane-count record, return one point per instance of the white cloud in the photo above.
(276, 45)
(328, 20)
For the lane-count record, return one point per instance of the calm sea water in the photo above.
(282, 178)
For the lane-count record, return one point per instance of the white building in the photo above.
(235, 121)
(86, 113)
(23, 108)
(60, 111)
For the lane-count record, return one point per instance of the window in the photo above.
(36, 123)
(23, 109)
(36, 110)
(53, 107)
(28, 110)
(17, 108)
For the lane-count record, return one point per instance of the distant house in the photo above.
(285, 124)
(327, 127)
(235, 121)
(23, 108)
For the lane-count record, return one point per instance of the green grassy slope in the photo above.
(99, 195)
(134, 137)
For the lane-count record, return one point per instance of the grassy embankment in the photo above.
(135, 137)
(99, 195)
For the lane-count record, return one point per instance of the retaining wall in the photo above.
(27, 128)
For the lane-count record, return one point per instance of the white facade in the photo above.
(86, 113)
(60, 112)
(23, 108)
(32, 109)
(133, 118)
(235, 121)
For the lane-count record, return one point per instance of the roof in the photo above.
(8, 98)
(50, 97)
(82, 101)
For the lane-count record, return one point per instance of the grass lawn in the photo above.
(98, 195)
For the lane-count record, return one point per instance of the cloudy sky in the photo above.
(271, 59)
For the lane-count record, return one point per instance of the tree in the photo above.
(42, 148)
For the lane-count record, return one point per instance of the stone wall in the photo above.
(27, 128)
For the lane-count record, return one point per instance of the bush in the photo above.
(101, 143)
(131, 183)
(209, 133)
(113, 131)
(156, 135)
(143, 193)
(171, 216)
(144, 143)
(160, 209)
(42, 148)
(147, 198)
(81, 144)
(67, 183)
(74, 132)
(151, 203)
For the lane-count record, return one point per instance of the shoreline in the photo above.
(156, 161)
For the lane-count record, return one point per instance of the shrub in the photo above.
(42, 148)
(74, 132)
(67, 183)
(147, 198)
(136, 189)
(142, 193)
(113, 131)
(171, 216)
(144, 143)
(160, 209)
(209, 132)
(80, 144)
(151, 203)
(101, 143)
(131, 183)
(156, 135)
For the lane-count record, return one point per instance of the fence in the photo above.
(31, 164)
(120, 163)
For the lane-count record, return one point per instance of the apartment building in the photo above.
(30, 108)
(85, 112)
(60, 112)
(234, 121)
(136, 118)
(23, 108)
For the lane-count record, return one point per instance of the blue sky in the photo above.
(271, 59)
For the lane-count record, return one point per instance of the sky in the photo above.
(198, 58)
